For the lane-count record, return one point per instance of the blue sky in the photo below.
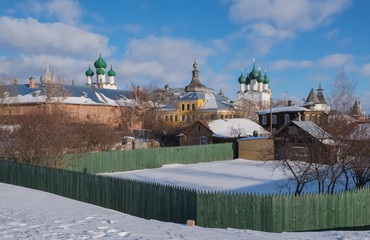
(301, 43)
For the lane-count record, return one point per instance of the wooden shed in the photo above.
(256, 148)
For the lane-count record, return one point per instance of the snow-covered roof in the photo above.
(237, 127)
(85, 95)
(279, 109)
(361, 132)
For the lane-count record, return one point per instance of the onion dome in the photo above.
(247, 80)
(47, 76)
(111, 73)
(267, 79)
(253, 74)
(100, 63)
(100, 71)
(89, 72)
(242, 79)
(260, 78)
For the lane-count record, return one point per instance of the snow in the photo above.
(32, 214)
(235, 127)
(238, 175)
(280, 109)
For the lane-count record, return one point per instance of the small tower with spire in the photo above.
(195, 85)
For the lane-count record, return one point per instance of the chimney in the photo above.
(290, 103)
(32, 82)
(138, 89)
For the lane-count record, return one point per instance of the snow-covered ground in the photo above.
(31, 214)
(237, 175)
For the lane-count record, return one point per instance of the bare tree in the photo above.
(134, 111)
(46, 137)
(341, 93)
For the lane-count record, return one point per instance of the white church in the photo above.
(255, 87)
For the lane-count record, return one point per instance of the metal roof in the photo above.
(312, 129)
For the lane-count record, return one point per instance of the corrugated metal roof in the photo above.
(312, 129)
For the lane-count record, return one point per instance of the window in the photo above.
(166, 118)
(306, 117)
(203, 140)
(286, 118)
(274, 119)
(171, 118)
(193, 106)
(182, 107)
(187, 118)
(222, 116)
(175, 118)
(212, 116)
(158, 117)
(199, 128)
(226, 116)
(182, 117)
(264, 119)
(188, 106)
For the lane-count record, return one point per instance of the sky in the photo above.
(300, 43)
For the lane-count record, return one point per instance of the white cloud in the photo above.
(32, 37)
(331, 61)
(162, 60)
(333, 33)
(67, 11)
(335, 60)
(272, 21)
(134, 28)
(282, 65)
(286, 14)
(365, 70)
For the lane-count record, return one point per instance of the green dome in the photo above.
(253, 74)
(89, 72)
(100, 71)
(247, 80)
(111, 73)
(242, 79)
(100, 63)
(267, 79)
(260, 78)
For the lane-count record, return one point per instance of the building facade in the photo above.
(196, 103)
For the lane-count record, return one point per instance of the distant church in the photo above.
(100, 81)
(255, 87)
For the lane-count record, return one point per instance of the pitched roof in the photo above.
(312, 129)
(356, 109)
(312, 97)
(237, 127)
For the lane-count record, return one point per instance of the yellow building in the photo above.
(198, 103)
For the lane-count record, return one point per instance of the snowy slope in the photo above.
(237, 175)
(31, 214)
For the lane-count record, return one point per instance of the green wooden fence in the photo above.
(146, 200)
(349, 210)
(114, 161)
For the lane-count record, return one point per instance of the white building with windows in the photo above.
(255, 87)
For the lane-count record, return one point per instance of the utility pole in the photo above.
(270, 112)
